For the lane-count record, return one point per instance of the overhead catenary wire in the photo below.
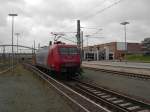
(99, 5)
(102, 10)
(69, 40)
(96, 32)
(115, 3)
(59, 35)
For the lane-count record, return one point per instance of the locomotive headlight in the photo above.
(70, 64)
(63, 70)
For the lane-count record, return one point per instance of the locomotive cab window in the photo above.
(63, 50)
(69, 50)
(73, 50)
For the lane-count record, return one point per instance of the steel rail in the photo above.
(6, 70)
(81, 103)
(134, 75)
(111, 99)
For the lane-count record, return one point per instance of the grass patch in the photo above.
(138, 58)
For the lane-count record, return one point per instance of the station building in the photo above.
(110, 51)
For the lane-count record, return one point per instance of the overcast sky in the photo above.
(38, 18)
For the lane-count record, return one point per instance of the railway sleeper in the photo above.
(133, 108)
(145, 110)
(93, 90)
(106, 96)
(125, 104)
(101, 94)
(97, 92)
(111, 99)
(117, 101)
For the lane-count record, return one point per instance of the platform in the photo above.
(130, 67)
(121, 64)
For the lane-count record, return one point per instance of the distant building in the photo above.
(110, 51)
(146, 45)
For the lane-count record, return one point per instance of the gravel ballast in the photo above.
(128, 85)
(23, 91)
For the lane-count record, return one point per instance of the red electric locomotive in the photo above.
(60, 58)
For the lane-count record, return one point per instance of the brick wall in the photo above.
(134, 48)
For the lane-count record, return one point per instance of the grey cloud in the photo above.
(37, 21)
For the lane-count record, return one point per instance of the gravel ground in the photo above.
(132, 86)
(24, 92)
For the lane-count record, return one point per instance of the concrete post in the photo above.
(106, 53)
(97, 55)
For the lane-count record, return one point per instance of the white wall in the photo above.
(121, 45)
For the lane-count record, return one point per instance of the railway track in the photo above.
(7, 69)
(134, 75)
(93, 98)
(77, 101)
(112, 100)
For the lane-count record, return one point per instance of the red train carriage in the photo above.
(59, 58)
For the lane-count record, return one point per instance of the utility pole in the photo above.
(78, 34)
(33, 55)
(4, 54)
(39, 46)
(34, 47)
(12, 15)
(17, 34)
(126, 50)
(32, 50)
(78, 38)
(82, 52)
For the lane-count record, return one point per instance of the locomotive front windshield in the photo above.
(68, 50)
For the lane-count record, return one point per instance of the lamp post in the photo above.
(12, 15)
(124, 24)
(87, 39)
(17, 34)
